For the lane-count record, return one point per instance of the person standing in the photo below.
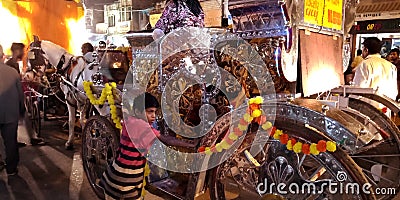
(18, 53)
(11, 108)
(87, 52)
(179, 13)
(376, 72)
(394, 58)
(357, 60)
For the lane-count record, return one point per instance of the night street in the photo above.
(48, 172)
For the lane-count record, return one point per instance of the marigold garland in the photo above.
(106, 94)
(255, 114)
(298, 147)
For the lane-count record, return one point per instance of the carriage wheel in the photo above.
(100, 142)
(35, 117)
(382, 153)
(238, 178)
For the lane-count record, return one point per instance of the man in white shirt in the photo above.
(376, 72)
(87, 51)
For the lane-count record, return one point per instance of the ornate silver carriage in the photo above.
(206, 81)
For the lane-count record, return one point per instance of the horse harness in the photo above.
(64, 71)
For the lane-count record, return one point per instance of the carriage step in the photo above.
(168, 187)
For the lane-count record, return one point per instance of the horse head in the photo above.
(42, 52)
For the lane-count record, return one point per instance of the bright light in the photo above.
(13, 29)
(77, 34)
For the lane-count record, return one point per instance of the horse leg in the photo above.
(71, 126)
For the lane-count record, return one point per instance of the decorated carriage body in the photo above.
(269, 56)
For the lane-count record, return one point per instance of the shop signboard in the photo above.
(123, 27)
(376, 26)
(154, 18)
(324, 13)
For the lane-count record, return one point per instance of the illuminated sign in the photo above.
(377, 26)
(325, 13)
(154, 18)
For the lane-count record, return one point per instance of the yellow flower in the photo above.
(242, 127)
(276, 135)
(289, 145)
(313, 149)
(113, 107)
(279, 132)
(267, 125)
(218, 147)
(113, 84)
(251, 101)
(233, 136)
(258, 100)
(331, 146)
(247, 118)
(225, 145)
(207, 151)
(119, 126)
(298, 147)
(256, 113)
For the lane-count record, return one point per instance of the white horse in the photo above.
(75, 71)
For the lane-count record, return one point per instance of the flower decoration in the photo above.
(255, 114)
(106, 94)
(384, 110)
(298, 147)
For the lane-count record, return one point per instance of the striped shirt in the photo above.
(123, 179)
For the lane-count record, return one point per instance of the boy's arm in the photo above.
(173, 141)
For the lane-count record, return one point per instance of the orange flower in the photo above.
(260, 120)
(272, 132)
(284, 138)
(321, 146)
(243, 122)
(306, 149)
(201, 149)
(293, 140)
(238, 132)
(228, 140)
(254, 107)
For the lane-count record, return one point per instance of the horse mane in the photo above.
(55, 51)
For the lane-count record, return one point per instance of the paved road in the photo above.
(48, 172)
(51, 172)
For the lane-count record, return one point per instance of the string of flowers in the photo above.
(298, 147)
(255, 114)
(106, 94)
